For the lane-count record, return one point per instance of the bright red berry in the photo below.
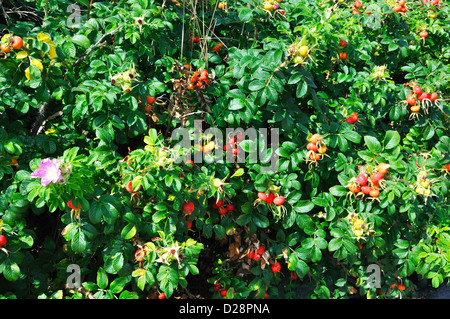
(217, 287)
(433, 96)
(270, 198)
(361, 179)
(129, 187)
(275, 267)
(218, 204)
(230, 207)
(188, 207)
(417, 90)
(365, 189)
(222, 210)
(260, 250)
(162, 296)
(376, 177)
(262, 196)
(3, 240)
(279, 200)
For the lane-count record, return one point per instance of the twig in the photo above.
(51, 117)
(192, 113)
(89, 11)
(37, 124)
(4, 12)
(84, 56)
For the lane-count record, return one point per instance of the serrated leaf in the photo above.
(372, 144)
(391, 140)
(338, 190)
(304, 206)
(353, 136)
(81, 40)
(102, 278)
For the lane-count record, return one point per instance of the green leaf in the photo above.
(391, 140)
(302, 89)
(118, 284)
(338, 190)
(245, 14)
(239, 172)
(256, 85)
(372, 144)
(342, 143)
(353, 136)
(102, 278)
(81, 40)
(11, 270)
(128, 232)
(79, 242)
(261, 221)
(69, 49)
(304, 206)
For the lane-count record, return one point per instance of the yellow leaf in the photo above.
(52, 53)
(43, 37)
(37, 63)
(27, 73)
(6, 38)
(21, 55)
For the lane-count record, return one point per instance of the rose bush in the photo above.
(92, 175)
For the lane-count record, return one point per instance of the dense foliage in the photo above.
(91, 178)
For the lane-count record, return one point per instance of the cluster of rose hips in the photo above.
(198, 80)
(299, 51)
(232, 144)
(217, 47)
(419, 95)
(271, 5)
(271, 198)
(221, 208)
(431, 2)
(342, 55)
(352, 118)
(369, 184)
(148, 105)
(255, 254)
(316, 148)
(356, 5)
(423, 184)
(358, 226)
(10, 42)
(400, 6)
(195, 39)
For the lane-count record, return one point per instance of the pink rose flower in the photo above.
(48, 171)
